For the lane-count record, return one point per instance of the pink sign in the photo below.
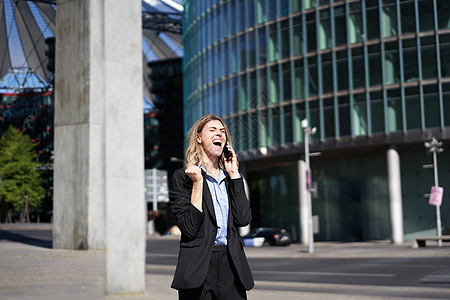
(436, 195)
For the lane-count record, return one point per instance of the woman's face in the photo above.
(212, 138)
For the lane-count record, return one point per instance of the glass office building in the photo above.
(369, 75)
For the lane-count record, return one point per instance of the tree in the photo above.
(19, 177)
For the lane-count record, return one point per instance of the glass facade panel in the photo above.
(242, 14)
(274, 47)
(446, 104)
(344, 116)
(311, 31)
(287, 90)
(243, 93)
(410, 61)
(253, 90)
(373, 23)
(374, 66)
(299, 74)
(288, 126)
(313, 87)
(325, 29)
(262, 45)
(445, 59)
(426, 15)
(431, 104)
(342, 70)
(329, 118)
(299, 116)
(390, 27)
(412, 103)
(358, 69)
(327, 74)
(429, 64)
(360, 120)
(251, 49)
(261, 15)
(285, 45)
(408, 17)
(376, 109)
(356, 32)
(394, 111)
(298, 35)
(243, 53)
(274, 85)
(340, 26)
(391, 67)
(443, 9)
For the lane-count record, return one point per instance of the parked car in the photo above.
(258, 237)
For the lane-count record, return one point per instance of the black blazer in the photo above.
(199, 229)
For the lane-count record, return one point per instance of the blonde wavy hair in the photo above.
(194, 151)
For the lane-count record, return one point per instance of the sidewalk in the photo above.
(33, 272)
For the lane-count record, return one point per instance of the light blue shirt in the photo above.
(219, 195)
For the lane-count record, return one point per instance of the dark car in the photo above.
(267, 237)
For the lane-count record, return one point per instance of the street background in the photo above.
(31, 269)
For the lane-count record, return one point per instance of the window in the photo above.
(298, 35)
(443, 8)
(327, 74)
(391, 66)
(312, 76)
(374, 65)
(243, 92)
(243, 53)
(356, 32)
(426, 15)
(252, 48)
(299, 79)
(274, 47)
(373, 23)
(328, 114)
(325, 29)
(311, 31)
(287, 118)
(359, 74)
(262, 42)
(410, 61)
(408, 17)
(429, 64)
(431, 105)
(445, 60)
(390, 27)
(394, 111)
(286, 73)
(359, 112)
(342, 70)
(340, 26)
(274, 85)
(285, 45)
(377, 112)
(412, 103)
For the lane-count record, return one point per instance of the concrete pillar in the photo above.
(303, 202)
(395, 195)
(79, 163)
(99, 170)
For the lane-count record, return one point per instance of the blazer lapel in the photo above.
(208, 200)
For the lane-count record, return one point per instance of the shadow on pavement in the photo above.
(24, 239)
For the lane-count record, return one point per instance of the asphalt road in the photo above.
(340, 269)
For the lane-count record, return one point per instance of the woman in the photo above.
(209, 203)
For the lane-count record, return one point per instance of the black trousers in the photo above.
(221, 282)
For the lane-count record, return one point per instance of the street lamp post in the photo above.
(308, 130)
(435, 147)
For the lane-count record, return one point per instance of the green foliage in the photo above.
(18, 174)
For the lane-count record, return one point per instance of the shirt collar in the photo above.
(222, 174)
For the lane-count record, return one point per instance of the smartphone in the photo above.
(226, 153)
